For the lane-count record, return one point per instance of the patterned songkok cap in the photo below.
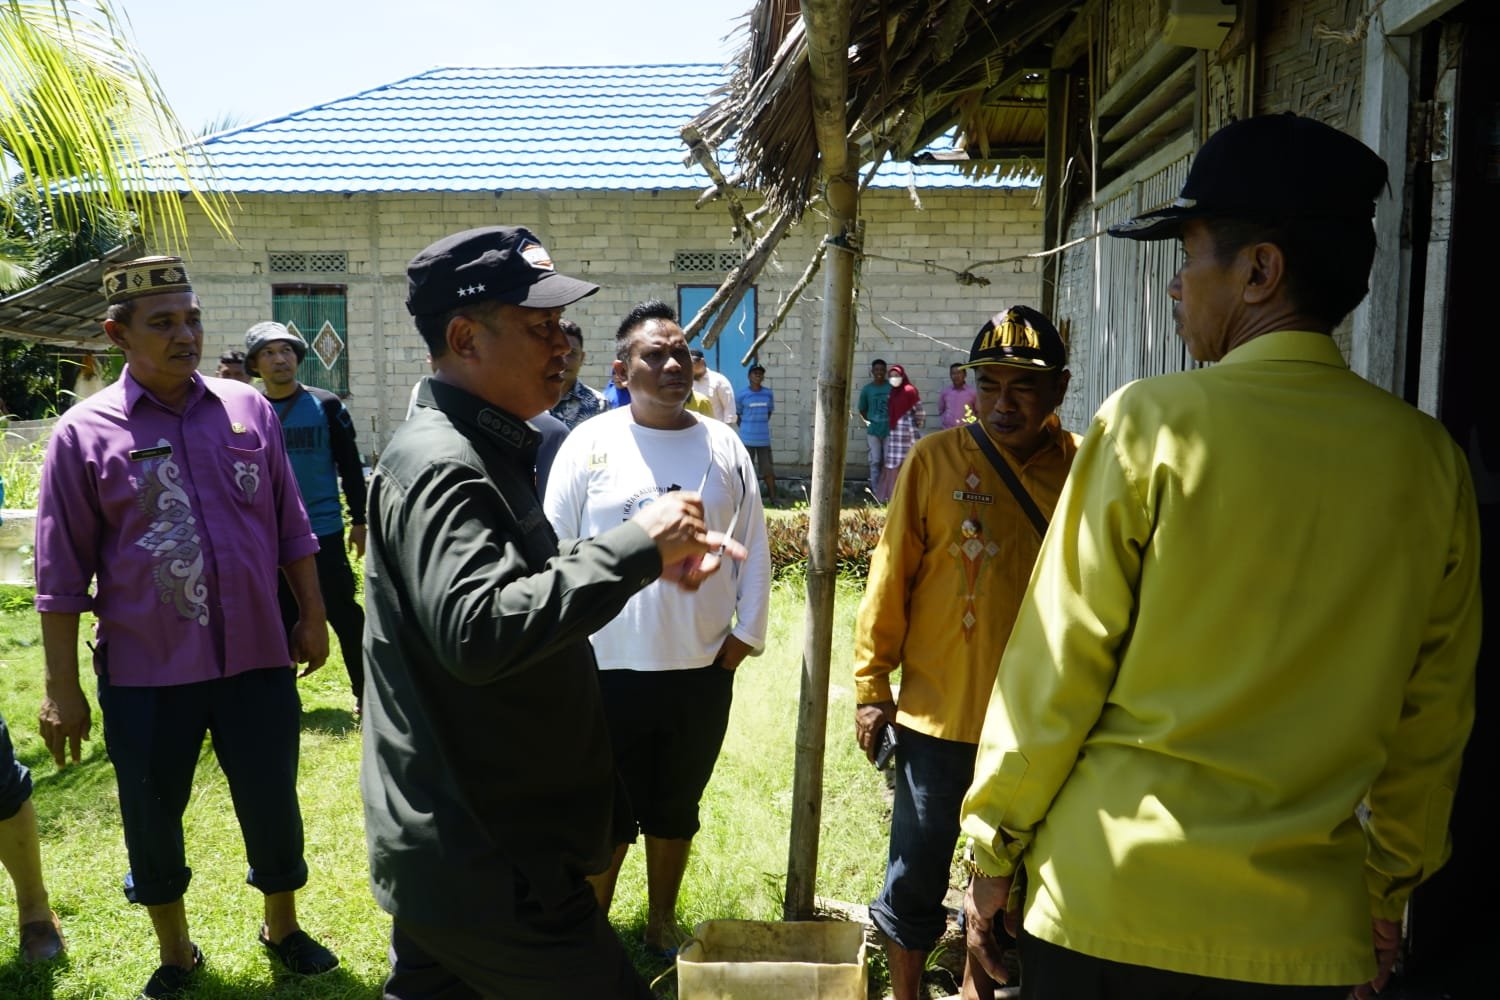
(145, 276)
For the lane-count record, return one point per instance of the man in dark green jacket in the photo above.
(488, 783)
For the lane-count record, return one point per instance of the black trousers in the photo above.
(345, 616)
(154, 735)
(568, 952)
(1049, 972)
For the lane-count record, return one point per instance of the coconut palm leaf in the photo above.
(84, 124)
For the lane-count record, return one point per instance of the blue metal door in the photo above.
(734, 341)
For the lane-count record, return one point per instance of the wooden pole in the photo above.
(827, 28)
(1059, 87)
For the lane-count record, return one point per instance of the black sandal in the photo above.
(300, 953)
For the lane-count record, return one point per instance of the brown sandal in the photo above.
(42, 940)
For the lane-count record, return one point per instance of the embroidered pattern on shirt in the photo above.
(172, 539)
(247, 478)
(972, 548)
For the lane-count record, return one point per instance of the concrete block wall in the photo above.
(911, 309)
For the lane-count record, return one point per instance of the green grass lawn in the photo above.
(737, 871)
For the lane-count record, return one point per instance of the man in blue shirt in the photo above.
(319, 437)
(579, 401)
(755, 406)
(615, 394)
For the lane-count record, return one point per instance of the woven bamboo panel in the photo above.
(1130, 26)
(1311, 59)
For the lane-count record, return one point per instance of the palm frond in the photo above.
(87, 123)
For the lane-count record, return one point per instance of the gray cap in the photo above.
(268, 332)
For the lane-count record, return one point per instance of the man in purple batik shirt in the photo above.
(173, 495)
(956, 404)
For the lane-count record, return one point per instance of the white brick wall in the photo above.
(909, 313)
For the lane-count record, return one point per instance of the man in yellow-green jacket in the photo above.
(1257, 606)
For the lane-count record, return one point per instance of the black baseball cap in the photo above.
(1021, 337)
(1271, 168)
(497, 264)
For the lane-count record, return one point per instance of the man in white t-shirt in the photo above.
(666, 663)
(715, 386)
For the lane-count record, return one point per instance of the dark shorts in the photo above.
(932, 776)
(154, 736)
(666, 728)
(567, 952)
(15, 779)
(760, 457)
(1055, 973)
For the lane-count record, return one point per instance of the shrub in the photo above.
(20, 470)
(859, 531)
(16, 597)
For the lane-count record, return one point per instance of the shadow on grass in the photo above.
(33, 982)
(91, 773)
(336, 984)
(655, 969)
(332, 721)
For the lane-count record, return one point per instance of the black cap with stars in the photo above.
(495, 263)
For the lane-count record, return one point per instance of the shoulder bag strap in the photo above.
(283, 407)
(1028, 505)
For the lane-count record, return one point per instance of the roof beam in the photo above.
(1032, 59)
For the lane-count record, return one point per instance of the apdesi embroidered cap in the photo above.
(1022, 337)
(495, 263)
(145, 276)
(1270, 169)
(267, 332)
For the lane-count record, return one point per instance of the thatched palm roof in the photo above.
(916, 69)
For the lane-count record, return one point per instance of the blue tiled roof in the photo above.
(488, 129)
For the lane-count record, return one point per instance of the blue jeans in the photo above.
(875, 455)
(15, 779)
(932, 776)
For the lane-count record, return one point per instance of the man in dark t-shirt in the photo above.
(319, 437)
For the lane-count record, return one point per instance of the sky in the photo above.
(267, 58)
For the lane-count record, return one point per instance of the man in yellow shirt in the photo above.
(945, 582)
(1258, 606)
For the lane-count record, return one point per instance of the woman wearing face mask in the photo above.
(906, 416)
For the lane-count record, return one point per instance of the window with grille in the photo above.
(705, 261)
(319, 313)
(302, 262)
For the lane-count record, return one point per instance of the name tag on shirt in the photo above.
(972, 497)
(160, 451)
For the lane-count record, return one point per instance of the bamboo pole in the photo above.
(827, 28)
